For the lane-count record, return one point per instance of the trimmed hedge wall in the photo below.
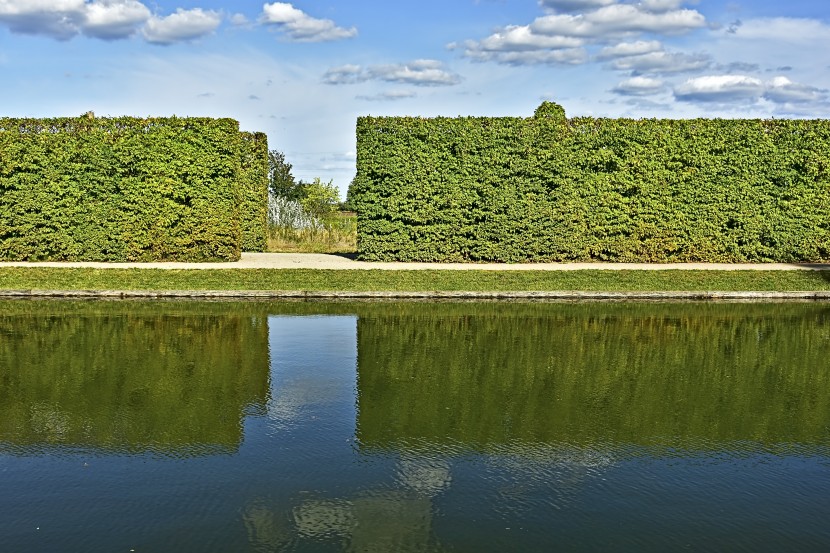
(548, 188)
(127, 189)
(254, 201)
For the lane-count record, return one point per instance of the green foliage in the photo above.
(302, 203)
(253, 207)
(123, 189)
(588, 376)
(548, 188)
(281, 182)
(320, 199)
(550, 110)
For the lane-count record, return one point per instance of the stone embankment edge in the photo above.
(311, 294)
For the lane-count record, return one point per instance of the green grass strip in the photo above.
(47, 278)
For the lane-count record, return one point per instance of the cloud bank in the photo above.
(418, 73)
(105, 20)
(565, 36)
(731, 88)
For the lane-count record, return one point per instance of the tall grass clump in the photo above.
(306, 216)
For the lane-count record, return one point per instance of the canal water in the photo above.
(230, 427)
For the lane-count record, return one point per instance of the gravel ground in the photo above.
(326, 261)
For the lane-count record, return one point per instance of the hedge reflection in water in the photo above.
(687, 376)
(471, 419)
(130, 376)
(669, 376)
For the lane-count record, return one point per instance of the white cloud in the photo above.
(240, 20)
(114, 19)
(518, 38)
(739, 67)
(345, 74)
(662, 62)
(11, 7)
(649, 57)
(562, 38)
(181, 26)
(661, 5)
(650, 106)
(300, 27)
(418, 73)
(639, 86)
(728, 88)
(783, 91)
(619, 19)
(625, 49)
(389, 96)
(570, 56)
(574, 5)
(519, 45)
(60, 19)
(65, 19)
(782, 30)
(720, 88)
(104, 19)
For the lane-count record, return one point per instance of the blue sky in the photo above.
(304, 71)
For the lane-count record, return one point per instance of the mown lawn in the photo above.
(47, 278)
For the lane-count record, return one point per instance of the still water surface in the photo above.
(178, 427)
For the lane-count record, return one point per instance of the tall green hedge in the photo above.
(125, 189)
(548, 188)
(254, 191)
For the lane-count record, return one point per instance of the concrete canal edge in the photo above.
(426, 295)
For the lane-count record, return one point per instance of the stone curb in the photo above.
(311, 294)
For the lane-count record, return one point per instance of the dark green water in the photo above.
(162, 427)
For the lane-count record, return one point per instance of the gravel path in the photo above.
(325, 261)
